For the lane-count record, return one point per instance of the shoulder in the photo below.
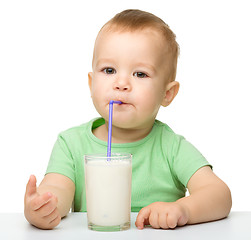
(175, 145)
(73, 131)
(76, 131)
(184, 158)
(168, 136)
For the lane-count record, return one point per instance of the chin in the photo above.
(124, 124)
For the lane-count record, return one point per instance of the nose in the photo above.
(122, 84)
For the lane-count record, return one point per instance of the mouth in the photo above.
(123, 103)
(118, 100)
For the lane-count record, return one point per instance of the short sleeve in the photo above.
(186, 160)
(61, 160)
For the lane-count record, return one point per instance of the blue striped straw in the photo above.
(109, 143)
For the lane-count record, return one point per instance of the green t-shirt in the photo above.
(162, 164)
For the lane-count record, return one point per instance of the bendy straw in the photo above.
(110, 126)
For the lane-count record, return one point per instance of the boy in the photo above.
(134, 61)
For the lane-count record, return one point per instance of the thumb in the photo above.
(31, 187)
(143, 217)
(182, 221)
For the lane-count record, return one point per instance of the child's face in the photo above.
(130, 67)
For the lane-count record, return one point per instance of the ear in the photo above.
(90, 75)
(171, 91)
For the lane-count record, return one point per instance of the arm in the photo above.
(210, 199)
(60, 186)
(46, 205)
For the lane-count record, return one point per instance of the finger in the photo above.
(182, 221)
(172, 220)
(55, 222)
(163, 221)
(41, 200)
(142, 217)
(48, 208)
(154, 219)
(53, 215)
(50, 221)
(146, 222)
(31, 187)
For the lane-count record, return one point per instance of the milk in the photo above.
(108, 191)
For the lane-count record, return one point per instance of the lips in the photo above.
(121, 100)
(124, 103)
(124, 100)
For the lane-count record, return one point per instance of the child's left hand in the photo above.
(162, 215)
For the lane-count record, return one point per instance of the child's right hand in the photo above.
(40, 209)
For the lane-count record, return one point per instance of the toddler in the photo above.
(134, 61)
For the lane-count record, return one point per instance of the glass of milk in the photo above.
(108, 191)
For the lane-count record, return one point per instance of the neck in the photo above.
(121, 135)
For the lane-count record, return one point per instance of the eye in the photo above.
(109, 70)
(140, 75)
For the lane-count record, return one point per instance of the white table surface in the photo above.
(14, 226)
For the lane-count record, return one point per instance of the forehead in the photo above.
(143, 41)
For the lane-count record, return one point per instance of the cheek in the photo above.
(151, 99)
(100, 84)
(97, 88)
(96, 94)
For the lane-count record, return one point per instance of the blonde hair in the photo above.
(134, 19)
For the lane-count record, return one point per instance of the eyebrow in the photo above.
(149, 66)
(104, 60)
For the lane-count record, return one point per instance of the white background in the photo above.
(45, 56)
